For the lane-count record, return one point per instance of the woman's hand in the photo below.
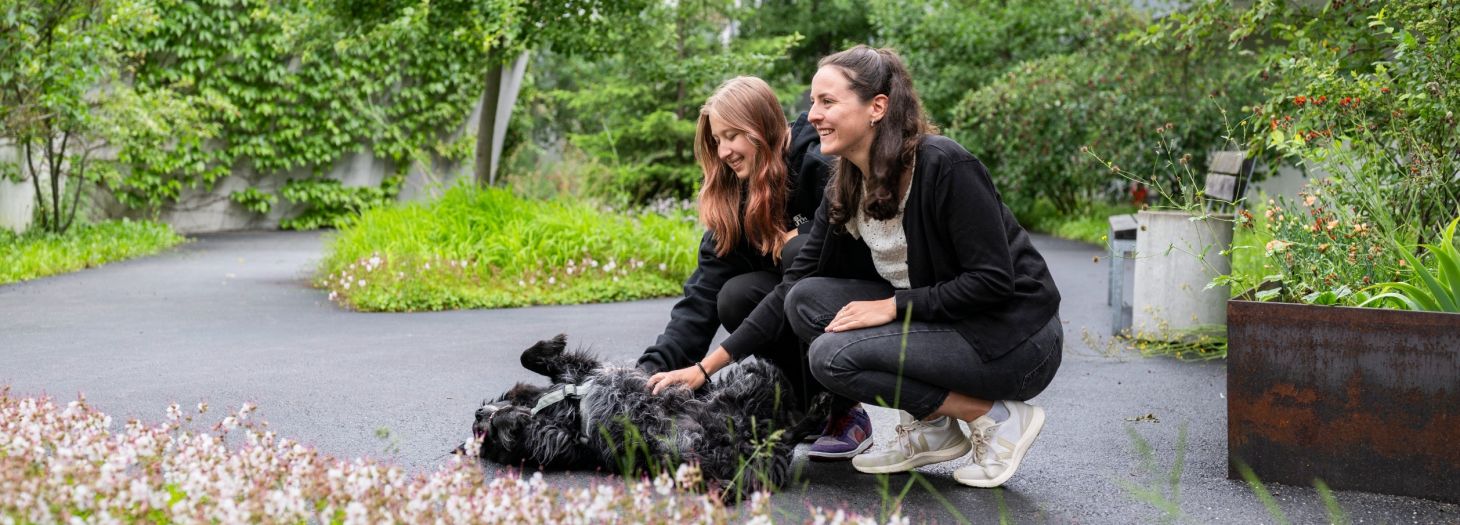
(863, 314)
(691, 377)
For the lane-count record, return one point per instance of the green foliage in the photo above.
(632, 113)
(485, 248)
(1135, 102)
(300, 85)
(215, 86)
(1365, 91)
(825, 26)
(1088, 222)
(254, 200)
(38, 253)
(63, 97)
(953, 48)
(1317, 249)
(328, 203)
(1437, 290)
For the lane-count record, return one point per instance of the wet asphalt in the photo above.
(230, 318)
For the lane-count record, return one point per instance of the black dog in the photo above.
(739, 429)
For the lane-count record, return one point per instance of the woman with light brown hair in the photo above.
(917, 288)
(763, 183)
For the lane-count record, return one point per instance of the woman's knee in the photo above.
(740, 295)
(805, 311)
(819, 359)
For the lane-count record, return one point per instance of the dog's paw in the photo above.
(539, 358)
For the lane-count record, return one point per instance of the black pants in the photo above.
(912, 371)
(739, 297)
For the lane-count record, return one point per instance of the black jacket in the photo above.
(968, 260)
(695, 318)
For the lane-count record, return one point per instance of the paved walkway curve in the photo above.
(230, 318)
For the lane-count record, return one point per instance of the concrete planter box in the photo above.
(1363, 399)
(1175, 259)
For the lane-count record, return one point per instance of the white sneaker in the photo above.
(918, 443)
(999, 447)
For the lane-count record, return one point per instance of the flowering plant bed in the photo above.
(62, 464)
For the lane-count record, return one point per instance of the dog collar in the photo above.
(579, 392)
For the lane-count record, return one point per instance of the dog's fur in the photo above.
(739, 429)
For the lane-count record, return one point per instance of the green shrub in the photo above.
(953, 48)
(486, 248)
(329, 203)
(1365, 92)
(38, 254)
(1126, 98)
(1088, 222)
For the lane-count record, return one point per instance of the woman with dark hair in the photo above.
(917, 288)
(763, 183)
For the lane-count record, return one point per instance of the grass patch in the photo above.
(38, 254)
(486, 248)
(1090, 222)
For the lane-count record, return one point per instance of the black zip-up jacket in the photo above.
(969, 262)
(695, 318)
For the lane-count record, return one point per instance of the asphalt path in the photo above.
(231, 318)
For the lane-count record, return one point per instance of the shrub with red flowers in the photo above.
(1366, 92)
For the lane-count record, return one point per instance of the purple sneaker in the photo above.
(846, 435)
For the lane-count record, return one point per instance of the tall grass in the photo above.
(486, 248)
(38, 254)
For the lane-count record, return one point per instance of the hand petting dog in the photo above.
(689, 376)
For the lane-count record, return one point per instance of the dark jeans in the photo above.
(872, 365)
(739, 297)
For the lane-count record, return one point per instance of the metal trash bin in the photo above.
(1120, 250)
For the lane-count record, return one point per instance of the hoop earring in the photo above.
(871, 123)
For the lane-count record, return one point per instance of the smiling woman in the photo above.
(913, 231)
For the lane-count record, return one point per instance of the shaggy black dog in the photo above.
(740, 429)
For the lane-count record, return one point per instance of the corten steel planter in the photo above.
(1363, 399)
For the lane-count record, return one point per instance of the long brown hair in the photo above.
(748, 105)
(872, 72)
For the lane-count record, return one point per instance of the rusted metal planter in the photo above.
(1363, 399)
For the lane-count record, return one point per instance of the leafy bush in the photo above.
(328, 203)
(953, 48)
(633, 112)
(1437, 290)
(38, 254)
(1088, 222)
(1122, 96)
(1366, 92)
(486, 248)
(1319, 243)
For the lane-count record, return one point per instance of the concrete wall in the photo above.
(210, 210)
(17, 199)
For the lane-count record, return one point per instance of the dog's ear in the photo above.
(540, 357)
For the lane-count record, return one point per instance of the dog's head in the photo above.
(500, 432)
(506, 431)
